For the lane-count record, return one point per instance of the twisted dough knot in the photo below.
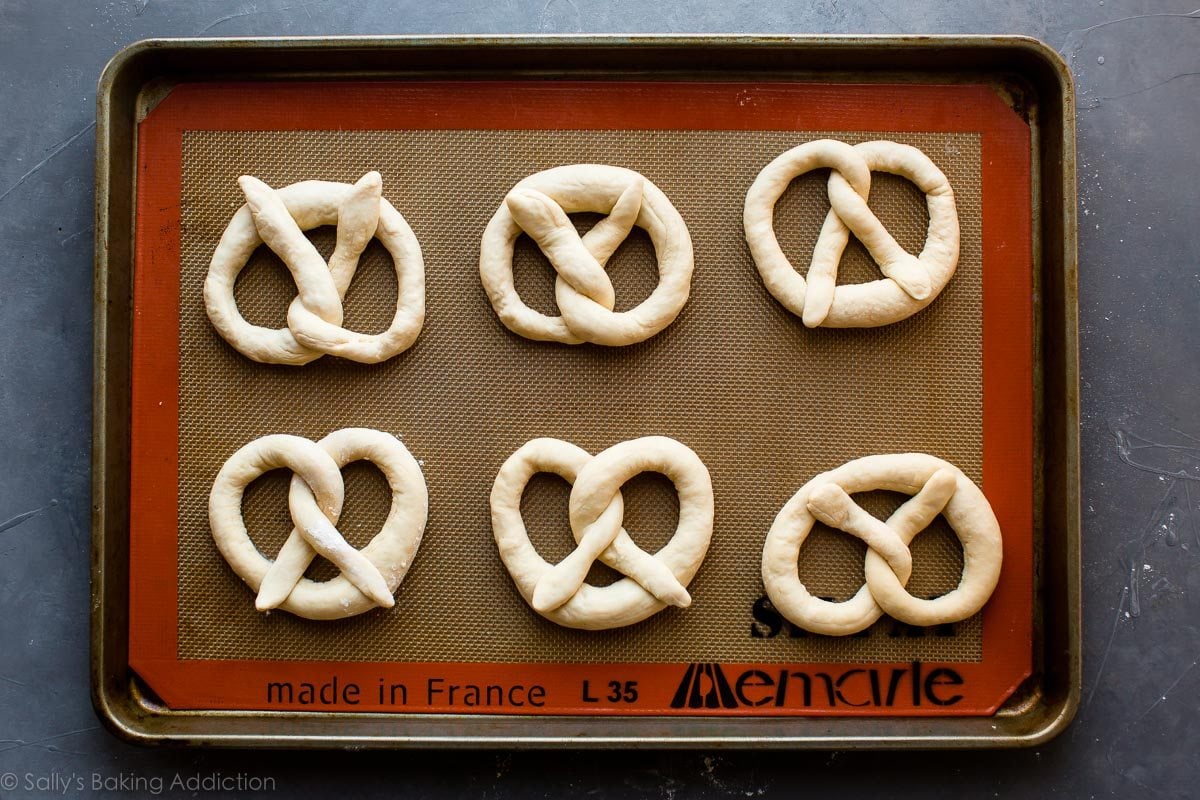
(279, 218)
(369, 576)
(539, 206)
(559, 591)
(937, 488)
(911, 282)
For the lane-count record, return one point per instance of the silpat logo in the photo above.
(704, 686)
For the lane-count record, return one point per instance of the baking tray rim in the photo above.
(131, 714)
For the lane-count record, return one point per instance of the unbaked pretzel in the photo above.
(911, 282)
(938, 487)
(539, 205)
(279, 217)
(370, 576)
(558, 591)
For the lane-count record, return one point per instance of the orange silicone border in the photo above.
(1008, 424)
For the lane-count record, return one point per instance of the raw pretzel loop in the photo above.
(279, 218)
(910, 282)
(937, 487)
(369, 577)
(539, 206)
(559, 591)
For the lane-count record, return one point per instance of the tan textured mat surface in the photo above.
(765, 402)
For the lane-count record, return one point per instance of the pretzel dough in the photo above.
(278, 217)
(558, 592)
(938, 487)
(369, 577)
(910, 282)
(539, 205)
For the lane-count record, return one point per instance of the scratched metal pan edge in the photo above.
(1035, 81)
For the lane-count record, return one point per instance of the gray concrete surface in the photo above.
(1138, 70)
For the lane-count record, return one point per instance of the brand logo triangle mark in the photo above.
(704, 686)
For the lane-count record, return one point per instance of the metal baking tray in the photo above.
(1030, 76)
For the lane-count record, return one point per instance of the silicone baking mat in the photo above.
(765, 402)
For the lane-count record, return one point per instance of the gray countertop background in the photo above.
(1137, 67)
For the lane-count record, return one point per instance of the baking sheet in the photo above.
(134, 83)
